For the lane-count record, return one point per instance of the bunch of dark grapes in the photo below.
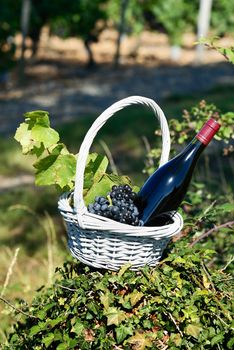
(119, 207)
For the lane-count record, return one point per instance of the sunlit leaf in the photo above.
(140, 341)
(194, 330)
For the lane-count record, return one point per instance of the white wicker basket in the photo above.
(105, 243)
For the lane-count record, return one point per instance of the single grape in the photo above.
(104, 207)
(102, 200)
(97, 206)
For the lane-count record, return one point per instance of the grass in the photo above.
(28, 216)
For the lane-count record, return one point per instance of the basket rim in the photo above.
(92, 222)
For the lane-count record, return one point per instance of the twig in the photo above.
(177, 327)
(148, 149)
(217, 48)
(9, 272)
(208, 275)
(16, 308)
(208, 233)
(61, 286)
(221, 320)
(109, 156)
(228, 263)
(48, 226)
(162, 344)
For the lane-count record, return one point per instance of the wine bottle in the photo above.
(166, 187)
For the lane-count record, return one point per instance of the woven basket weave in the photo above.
(105, 243)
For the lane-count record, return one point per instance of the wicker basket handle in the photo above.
(98, 123)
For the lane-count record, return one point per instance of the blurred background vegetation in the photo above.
(75, 58)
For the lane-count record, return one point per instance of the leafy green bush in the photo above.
(183, 303)
(182, 130)
(180, 304)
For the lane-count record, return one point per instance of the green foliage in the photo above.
(180, 304)
(55, 165)
(184, 129)
(176, 17)
(9, 24)
(222, 17)
(134, 15)
(227, 52)
(80, 19)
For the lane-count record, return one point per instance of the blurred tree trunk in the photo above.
(91, 61)
(123, 9)
(24, 23)
(203, 24)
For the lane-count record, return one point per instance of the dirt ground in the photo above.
(58, 80)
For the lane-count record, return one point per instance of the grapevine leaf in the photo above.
(97, 164)
(37, 117)
(47, 136)
(35, 134)
(103, 186)
(95, 169)
(58, 168)
(23, 136)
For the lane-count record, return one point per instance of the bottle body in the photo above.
(165, 188)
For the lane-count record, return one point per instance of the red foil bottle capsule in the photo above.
(208, 131)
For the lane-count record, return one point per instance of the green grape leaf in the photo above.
(37, 117)
(95, 169)
(47, 136)
(23, 136)
(35, 134)
(103, 186)
(58, 168)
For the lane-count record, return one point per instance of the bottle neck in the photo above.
(194, 147)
